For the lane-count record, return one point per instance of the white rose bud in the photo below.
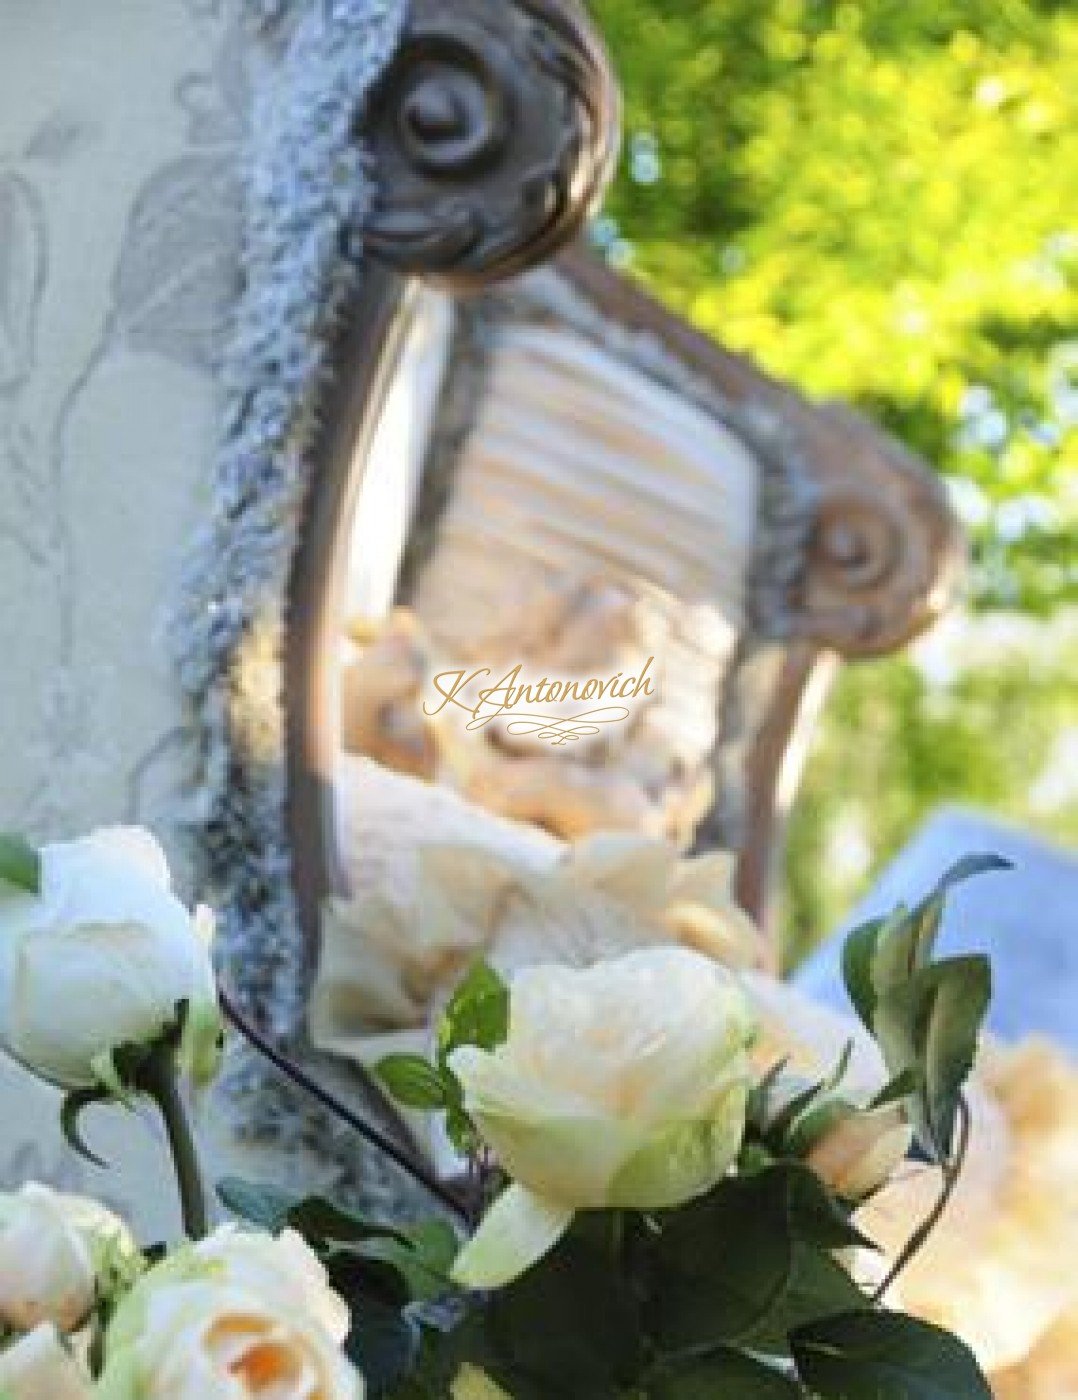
(38, 1367)
(240, 1316)
(861, 1150)
(100, 958)
(620, 1085)
(51, 1248)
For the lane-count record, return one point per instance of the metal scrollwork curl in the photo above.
(494, 131)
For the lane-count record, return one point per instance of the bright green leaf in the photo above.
(477, 1013)
(413, 1081)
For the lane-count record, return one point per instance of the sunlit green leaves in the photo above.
(865, 197)
(926, 1015)
(413, 1081)
(931, 1025)
(477, 1014)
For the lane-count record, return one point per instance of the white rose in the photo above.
(620, 1085)
(101, 957)
(51, 1248)
(240, 1316)
(37, 1367)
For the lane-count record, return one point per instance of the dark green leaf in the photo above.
(887, 1356)
(264, 1206)
(818, 1287)
(20, 864)
(931, 1024)
(722, 1373)
(317, 1219)
(570, 1326)
(720, 1265)
(384, 1344)
(816, 1217)
(412, 1081)
(735, 1264)
(423, 1260)
(902, 1086)
(858, 956)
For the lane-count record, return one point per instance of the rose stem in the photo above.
(408, 1164)
(160, 1081)
(952, 1170)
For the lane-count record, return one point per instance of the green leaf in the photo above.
(887, 1356)
(413, 1081)
(931, 1025)
(383, 1344)
(324, 1221)
(423, 1259)
(723, 1266)
(722, 1373)
(570, 1326)
(858, 957)
(902, 1086)
(884, 953)
(818, 1287)
(71, 1110)
(477, 1013)
(20, 864)
(264, 1206)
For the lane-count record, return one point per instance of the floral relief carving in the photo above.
(22, 273)
(170, 291)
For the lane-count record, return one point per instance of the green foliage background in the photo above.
(876, 198)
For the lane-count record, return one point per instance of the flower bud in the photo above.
(101, 957)
(861, 1150)
(37, 1367)
(51, 1249)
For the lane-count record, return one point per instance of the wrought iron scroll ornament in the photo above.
(494, 132)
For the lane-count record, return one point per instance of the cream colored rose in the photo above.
(861, 1150)
(620, 1085)
(38, 1367)
(394, 954)
(51, 1249)
(240, 1316)
(101, 957)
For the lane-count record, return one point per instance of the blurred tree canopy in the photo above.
(876, 199)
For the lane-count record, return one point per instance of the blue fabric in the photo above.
(1026, 919)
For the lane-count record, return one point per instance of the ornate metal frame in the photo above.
(494, 132)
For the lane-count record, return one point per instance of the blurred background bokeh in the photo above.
(879, 201)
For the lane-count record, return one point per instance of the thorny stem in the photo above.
(329, 1101)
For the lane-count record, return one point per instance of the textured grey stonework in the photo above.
(307, 191)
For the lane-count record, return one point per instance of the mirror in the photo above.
(544, 588)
